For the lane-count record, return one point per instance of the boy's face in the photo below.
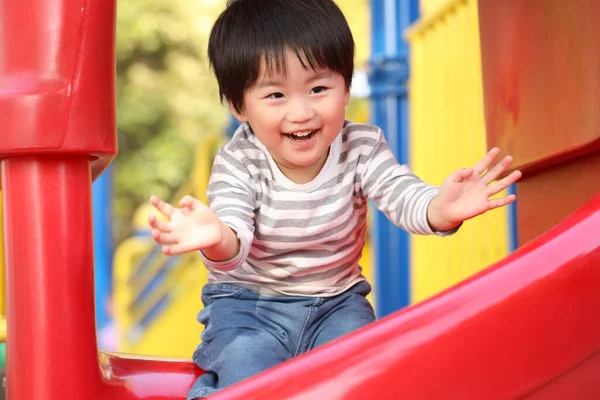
(296, 116)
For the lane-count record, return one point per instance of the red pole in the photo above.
(47, 206)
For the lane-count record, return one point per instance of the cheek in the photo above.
(266, 124)
(269, 121)
(335, 111)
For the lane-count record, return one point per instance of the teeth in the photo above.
(302, 133)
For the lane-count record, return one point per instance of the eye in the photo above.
(319, 89)
(276, 95)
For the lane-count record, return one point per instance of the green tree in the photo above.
(166, 98)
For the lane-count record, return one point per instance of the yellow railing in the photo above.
(156, 297)
(430, 7)
(448, 132)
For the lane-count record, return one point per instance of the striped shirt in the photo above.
(307, 239)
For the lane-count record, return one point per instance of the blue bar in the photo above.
(232, 126)
(513, 235)
(389, 99)
(103, 248)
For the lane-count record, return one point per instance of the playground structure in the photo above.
(446, 132)
(526, 327)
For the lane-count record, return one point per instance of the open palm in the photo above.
(466, 193)
(192, 227)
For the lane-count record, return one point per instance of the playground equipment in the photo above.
(542, 87)
(528, 327)
(447, 128)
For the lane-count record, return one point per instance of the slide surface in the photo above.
(527, 327)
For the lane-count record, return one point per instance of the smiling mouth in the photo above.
(301, 136)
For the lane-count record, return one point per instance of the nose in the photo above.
(300, 110)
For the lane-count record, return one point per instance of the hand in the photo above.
(466, 193)
(192, 227)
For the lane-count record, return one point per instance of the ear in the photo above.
(240, 116)
(347, 97)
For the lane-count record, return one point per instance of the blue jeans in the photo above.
(246, 333)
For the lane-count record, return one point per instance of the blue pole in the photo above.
(389, 101)
(513, 236)
(103, 249)
(232, 126)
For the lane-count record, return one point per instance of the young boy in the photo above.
(288, 193)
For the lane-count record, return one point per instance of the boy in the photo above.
(288, 193)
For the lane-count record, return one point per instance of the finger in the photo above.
(163, 238)
(502, 184)
(483, 164)
(495, 172)
(190, 202)
(156, 223)
(495, 203)
(461, 174)
(162, 206)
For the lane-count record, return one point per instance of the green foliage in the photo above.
(166, 98)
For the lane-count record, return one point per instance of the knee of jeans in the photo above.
(344, 321)
(244, 356)
(250, 344)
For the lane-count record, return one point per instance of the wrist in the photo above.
(230, 242)
(436, 217)
(227, 248)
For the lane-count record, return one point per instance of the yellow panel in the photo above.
(163, 323)
(448, 132)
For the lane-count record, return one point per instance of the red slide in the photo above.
(527, 327)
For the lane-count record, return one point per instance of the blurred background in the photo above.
(418, 77)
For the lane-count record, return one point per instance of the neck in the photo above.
(305, 174)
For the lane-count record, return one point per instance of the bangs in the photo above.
(247, 34)
(275, 64)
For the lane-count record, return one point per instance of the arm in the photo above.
(466, 192)
(421, 208)
(222, 232)
(394, 189)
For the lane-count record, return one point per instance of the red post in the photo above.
(49, 278)
(57, 113)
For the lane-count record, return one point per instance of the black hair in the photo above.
(249, 31)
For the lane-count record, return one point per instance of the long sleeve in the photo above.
(395, 190)
(231, 196)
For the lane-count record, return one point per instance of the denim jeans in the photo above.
(246, 333)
